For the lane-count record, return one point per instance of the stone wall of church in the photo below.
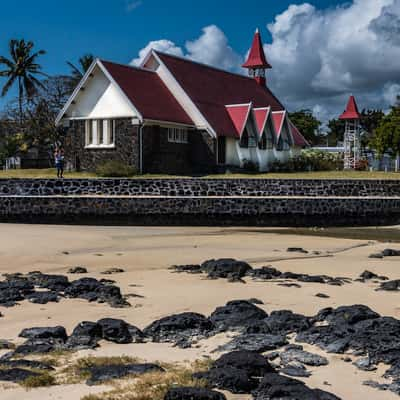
(159, 155)
(81, 158)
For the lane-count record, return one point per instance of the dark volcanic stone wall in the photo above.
(200, 187)
(201, 211)
(81, 158)
(201, 202)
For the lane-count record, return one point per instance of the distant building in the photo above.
(174, 115)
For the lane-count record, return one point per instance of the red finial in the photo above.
(351, 111)
(256, 58)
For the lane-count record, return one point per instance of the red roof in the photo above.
(256, 58)
(351, 111)
(261, 116)
(278, 118)
(298, 138)
(239, 115)
(211, 89)
(148, 93)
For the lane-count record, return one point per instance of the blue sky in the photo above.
(118, 29)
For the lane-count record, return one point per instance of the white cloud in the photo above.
(211, 47)
(319, 57)
(163, 45)
(131, 5)
(390, 93)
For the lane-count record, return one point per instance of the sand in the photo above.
(145, 253)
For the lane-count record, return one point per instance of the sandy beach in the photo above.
(146, 253)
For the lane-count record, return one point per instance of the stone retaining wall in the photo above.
(243, 211)
(241, 202)
(200, 187)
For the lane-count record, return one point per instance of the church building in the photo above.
(175, 116)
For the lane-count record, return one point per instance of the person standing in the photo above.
(59, 162)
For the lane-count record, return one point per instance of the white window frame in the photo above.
(178, 135)
(94, 128)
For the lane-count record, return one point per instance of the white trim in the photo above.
(283, 120)
(267, 115)
(149, 122)
(208, 126)
(100, 146)
(111, 79)
(75, 93)
(249, 109)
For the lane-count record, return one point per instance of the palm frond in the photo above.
(8, 85)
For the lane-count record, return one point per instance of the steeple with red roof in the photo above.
(351, 112)
(257, 62)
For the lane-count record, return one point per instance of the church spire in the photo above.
(257, 62)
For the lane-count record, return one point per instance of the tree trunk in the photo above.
(20, 94)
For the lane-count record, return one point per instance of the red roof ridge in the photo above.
(204, 65)
(126, 66)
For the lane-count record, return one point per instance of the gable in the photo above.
(99, 98)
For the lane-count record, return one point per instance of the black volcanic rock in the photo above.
(115, 330)
(190, 393)
(278, 387)
(237, 314)
(77, 270)
(390, 286)
(225, 268)
(16, 374)
(57, 332)
(238, 371)
(258, 343)
(86, 335)
(179, 328)
(104, 373)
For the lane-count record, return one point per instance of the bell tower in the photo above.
(352, 139)
(257, 63)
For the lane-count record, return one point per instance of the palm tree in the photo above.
(22, 67)
(84, 64)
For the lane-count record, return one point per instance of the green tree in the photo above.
(78, 71)
(22, 68)
(307, 124)
(387, 137)
(336, 129)
(370, 120)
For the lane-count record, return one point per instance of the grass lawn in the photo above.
(50, 173)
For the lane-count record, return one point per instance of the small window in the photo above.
(100, 132)
(111, 131)
(89, 133)
(178, 135)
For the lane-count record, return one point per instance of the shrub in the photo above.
(115, 169)
(41, 380)
(362, 165)
(250, 166)
(310, 160)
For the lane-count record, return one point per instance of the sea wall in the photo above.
(200, 187)
(202, 202)
(242, 211)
